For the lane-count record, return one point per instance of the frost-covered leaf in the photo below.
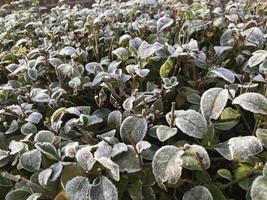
(257, 58)
(16, 147)
(31, 160)
(39, 95)
(12, 127)
(44, 136)
(195, 157)
(111, 166)
(262, 136)
(128, 161)
(166, 165)
(4, 157)
(103, 189)
(78, 188)
(75, 82)
(44, 176)
(165, 132)
(115, 119)
(253, 102)
(191, 123)
(224, 73)
(28, 128)
(146, 50)
(227, 38)
(128, 103)
(219, 50)
(133, 129)
(34, 196)
(18, 194)
(56, 118)
(121, 53)
(70, 149)
(67, 51)
(85, 158)
(142, 145)
(213, 102)
(34, 117)
(163, 23)
(198, 193)
(258, 189)
(243, 147)
(48, 149)
(33, 73)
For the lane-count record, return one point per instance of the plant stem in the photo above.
(251, 172)
(28, 183)
(199, 158)
(172, 114)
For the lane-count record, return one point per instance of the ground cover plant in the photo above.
(137, 100)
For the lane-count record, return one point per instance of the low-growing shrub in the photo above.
(133, 100)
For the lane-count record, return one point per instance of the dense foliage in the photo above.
(139, 100)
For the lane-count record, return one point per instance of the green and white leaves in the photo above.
(165, 132)
(191, 123)
(133, 129)
(198, 193)
(195, 157)
(253, 102)
(166, 165)
(31, 160)
(213, 102)
(240, 148)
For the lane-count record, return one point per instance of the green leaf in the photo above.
(229, 113)
(216, 192)
(225, 173)
(166, 68)
(18, 195)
